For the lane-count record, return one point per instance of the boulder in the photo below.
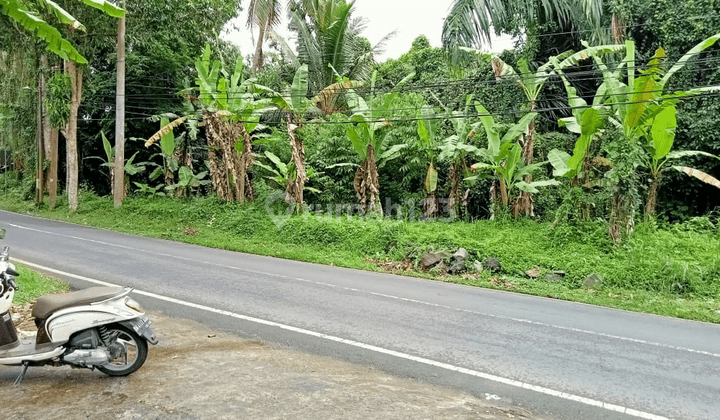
(440, 268)
(553, 277)
(457, 267)
(430, 259)
(493, 264)
(533, 273)
(593, 281)
(478, 266)
(460, 255)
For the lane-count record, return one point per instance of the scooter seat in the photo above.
(46, 305)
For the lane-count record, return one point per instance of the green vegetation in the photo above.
(668, 270)
(33, 285)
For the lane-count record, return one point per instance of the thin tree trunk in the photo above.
(39, 183)
(258, 57)
(652, 196)
(504, 192)
(52, 179)
(454, 180)
(50, 139)
(47, 130)
(618, 30)
(525, 204)
(367, 183)
(70, 133)
(247, 159)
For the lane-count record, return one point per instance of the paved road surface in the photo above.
(556, 359)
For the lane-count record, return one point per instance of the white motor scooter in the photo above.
(99, 327)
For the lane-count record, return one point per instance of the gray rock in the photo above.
(553, 277)
(478, 266)
(533, 273)
(559, 273)
(430, 260)
(460, 255)
(440, 268)
(457, 267)
(493, 264)
(593, 281)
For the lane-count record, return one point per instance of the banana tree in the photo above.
(660, 154)
(532, 84)
(634, 104)
(367, 119)
(427, 132)
(296, 105)
(230, 109)
(503, 161)
(455, 150)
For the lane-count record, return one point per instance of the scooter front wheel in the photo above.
(127, 349)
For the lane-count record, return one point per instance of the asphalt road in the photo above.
(557, 359)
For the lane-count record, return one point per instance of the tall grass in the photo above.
(671, 270)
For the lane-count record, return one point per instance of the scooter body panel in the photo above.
(6, 297)
(63, 324)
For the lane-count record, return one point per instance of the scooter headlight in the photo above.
(130, 303)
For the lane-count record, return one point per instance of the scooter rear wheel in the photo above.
(131, 351)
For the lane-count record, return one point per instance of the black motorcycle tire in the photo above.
(141, 348)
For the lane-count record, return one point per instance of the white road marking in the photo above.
(429, 362)
(350, 289)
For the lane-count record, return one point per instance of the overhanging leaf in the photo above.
(702, 176)
(164, 131)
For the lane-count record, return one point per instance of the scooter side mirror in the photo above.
(2, 233)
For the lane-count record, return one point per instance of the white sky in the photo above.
(409, 18)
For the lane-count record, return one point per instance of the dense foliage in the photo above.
(164, 38)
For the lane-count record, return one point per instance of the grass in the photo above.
(33, 285)
(671, 270)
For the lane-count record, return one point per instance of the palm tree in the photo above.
(472, 22)
(329, 36)
(265, 14)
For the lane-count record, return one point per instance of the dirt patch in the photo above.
(197, 373)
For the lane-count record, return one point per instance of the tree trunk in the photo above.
(258, 57)
(246, 160)
(47, 130)
(296, 186)
(430, 205)
(524, 204)
(52, 179)
(50, 139)
(218, 167)
(652, 197)
(118, 178)
(618, 30)
(39, 172)
(454, 180)
(504, 193)
(70, 133)
(367, 183)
